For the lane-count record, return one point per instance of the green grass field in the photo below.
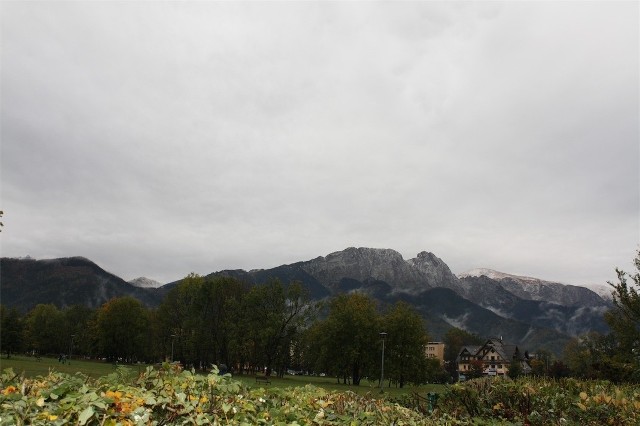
(31, 367)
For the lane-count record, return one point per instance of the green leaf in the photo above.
(99, 405)
(86, 414)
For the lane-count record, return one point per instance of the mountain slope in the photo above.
(285, 273)
(445, 304)
(537, 289)
(571, 319)
(63, 282)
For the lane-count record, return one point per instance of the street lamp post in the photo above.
(173, 336)
(383, 336)
(71, 347)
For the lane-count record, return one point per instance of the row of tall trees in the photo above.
(203, 321)
(117, 329)
(223, 321)
(348, 342)
(200, 322)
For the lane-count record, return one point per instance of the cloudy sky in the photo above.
(162, 138)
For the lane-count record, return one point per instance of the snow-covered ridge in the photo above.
(602, 290)
(494, 275)
(538, 289)
(144, 282)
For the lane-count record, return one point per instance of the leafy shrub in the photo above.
(543, 401)
(170, 396)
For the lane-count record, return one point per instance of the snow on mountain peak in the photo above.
(531, 284)
(494, 275)
(144, 282)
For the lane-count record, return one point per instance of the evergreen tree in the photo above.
(11, 330)
(624, 320)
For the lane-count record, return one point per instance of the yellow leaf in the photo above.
(583, 396)
(40, 402)
(582, 406)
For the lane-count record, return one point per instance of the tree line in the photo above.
(269, 328)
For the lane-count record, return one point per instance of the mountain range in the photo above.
(527, 311)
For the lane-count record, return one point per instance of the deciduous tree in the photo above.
(405, 359)
(10, 330)
(79, 320)
(273, 315)
(347, 342)
(122, 325)
(45, 330)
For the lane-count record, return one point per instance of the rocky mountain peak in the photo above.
(364, 265)
(436, 272)
(425, 258)
(368, 265)
(365, 254)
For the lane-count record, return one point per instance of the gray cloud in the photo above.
(163, 138)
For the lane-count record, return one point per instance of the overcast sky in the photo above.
(163, 138)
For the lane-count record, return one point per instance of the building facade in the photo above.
(435, 350)
(493, 358)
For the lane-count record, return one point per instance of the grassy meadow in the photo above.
(31, 367)
(50, 393)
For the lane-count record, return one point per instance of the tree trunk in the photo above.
(356, 375)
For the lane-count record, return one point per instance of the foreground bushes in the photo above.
(168, 397)
(539, 401)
